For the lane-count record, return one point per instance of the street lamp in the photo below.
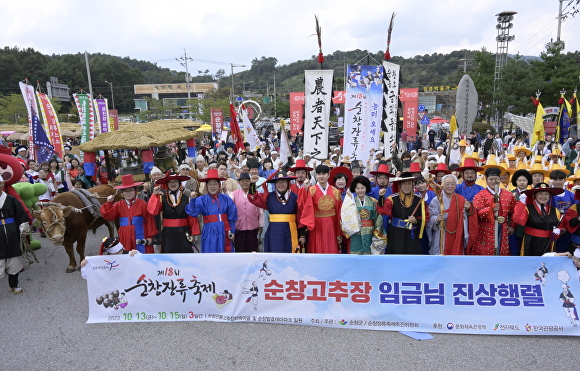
(244, 84)
(232, 92)
(112, 96)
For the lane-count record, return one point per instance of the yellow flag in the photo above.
(538, 133)
(453, 125)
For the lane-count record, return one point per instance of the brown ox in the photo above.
(68, 221)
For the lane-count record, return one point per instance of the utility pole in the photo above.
(89, 74)
(465, 62)
(183, 61)
(275, 111)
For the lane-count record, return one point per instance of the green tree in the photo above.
(483, 77)
(516, 86)
(13, 110)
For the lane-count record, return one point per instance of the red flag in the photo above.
(235, 130)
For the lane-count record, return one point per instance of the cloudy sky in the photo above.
(219, 32)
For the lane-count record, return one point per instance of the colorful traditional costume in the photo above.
(321, 214)
(456, 225)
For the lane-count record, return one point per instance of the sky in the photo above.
(217, 33)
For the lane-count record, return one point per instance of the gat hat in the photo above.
(111, 245)
(441, 168)
(212, 174)
(340, 170)
(362, 180)
(172, 176)
(127, 181)
(415, 167)
(253, 163)
(521, 172)
(155, 169)
(300, 165)
(243, 176)
(543, 187)
(328, 163)
(382, 169)
(280, 175)
(406, 175)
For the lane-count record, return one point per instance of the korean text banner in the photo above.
(103, 114)
(317, 101)
(363, 111)
(453, 294)
(217, 120)
(31, 107)
(296, 112)
(390, 104)
(51, 122)
(410, 99)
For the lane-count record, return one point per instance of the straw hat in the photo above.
(492, 162)
(559, 167)
(518, 149)
(574, 177)
(538, 168)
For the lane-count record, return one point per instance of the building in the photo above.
(174, 95)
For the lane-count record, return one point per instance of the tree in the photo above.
(13, 110)
(483, 77)
(216, 99)
(516, 86)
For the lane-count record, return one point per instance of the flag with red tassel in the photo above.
(319, 35)
(235, 130)
(387, 52)
(563, 128)
(89, 163)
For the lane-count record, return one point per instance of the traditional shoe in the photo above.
(17, 290)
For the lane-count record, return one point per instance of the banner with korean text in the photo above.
(296, 112)
(103, 114)
(391, 76)
(363, 111)
(452, 294)
(317, 102)
(217, 120)
(51, 122)
(84, 104)
(32, 108)
(410, 100)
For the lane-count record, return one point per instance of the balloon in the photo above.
(39, 189)
(28, 203)
(35, 244)
(27, 191)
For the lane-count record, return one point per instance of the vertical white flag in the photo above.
(390, 105)
(317, 101)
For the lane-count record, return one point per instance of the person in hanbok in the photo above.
(171, 201)
(492, 206)
(521, 180)
(407, 214)
(321, 214)
(455, 219)
(219, 215)
(562, 201)
(137, 226)
(468, 188)
(537, 212)
(371, 221)
(282, 233)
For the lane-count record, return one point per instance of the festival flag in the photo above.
(51, 121)
(40, 147)
(191, 152)
(235, 130)
(147, 157)
(387, 55)
(250, 133)
(317, 101)
(89, 163)
(563, 128)
(539, 131)
(103, 114)
(390, 105)
(319, 37)
(285, 152)
(86, 115)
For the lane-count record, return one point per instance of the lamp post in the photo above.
(232, 92)
(112, 96)
(244, 84)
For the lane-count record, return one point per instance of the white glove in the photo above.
(523, 198)
(24, 228)
(556, 231)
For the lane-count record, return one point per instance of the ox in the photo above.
(66, 221)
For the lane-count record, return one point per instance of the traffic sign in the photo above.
(421, 108)
(425, 120)
(239, 99)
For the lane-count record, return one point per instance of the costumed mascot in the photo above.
(11, 171)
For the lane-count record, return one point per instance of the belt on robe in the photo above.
(291, 220)
(175, 223)
(368, 223)
(401, 223)
(215, 218)
(6, 221)
(137, 222)
(537, 232)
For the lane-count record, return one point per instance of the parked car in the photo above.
(334, 136)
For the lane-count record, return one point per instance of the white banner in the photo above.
(390, 105)
(450, 294)
(249, 131)
(317, 100)
(32, 108)
(363, 111)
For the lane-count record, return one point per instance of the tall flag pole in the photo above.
(51, 123)
(319, 36)
(538, 132)
(391, 24)
(575, 116)
(235, 130)
(563, 128)
(42, 149)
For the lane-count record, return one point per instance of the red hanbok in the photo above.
(120, 209)
(483, 202)
(321, 215)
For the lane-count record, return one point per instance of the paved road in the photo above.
(45, 329)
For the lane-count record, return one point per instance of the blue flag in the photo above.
(564, 124)
(42, 146)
